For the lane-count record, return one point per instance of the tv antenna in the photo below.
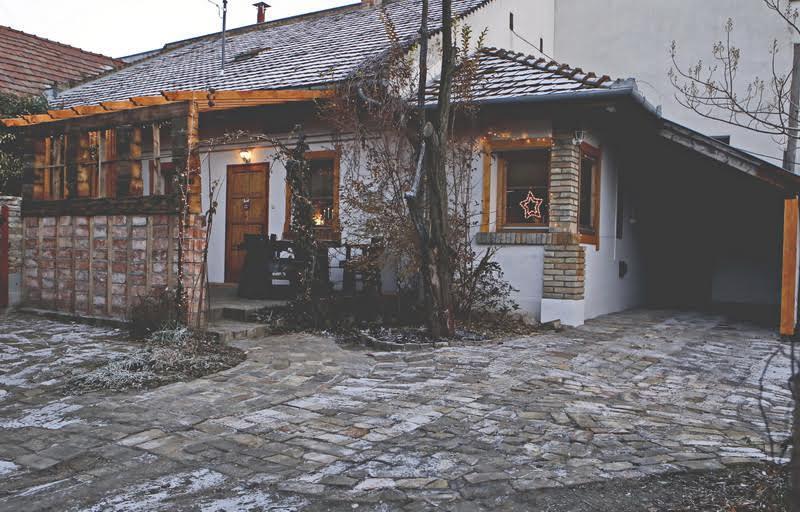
(222, 12)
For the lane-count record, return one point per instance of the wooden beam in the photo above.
(38, 118)
(117, 105)
(185, 153)
(149, 101)
(14, 121)
(89, 110)
(129, 166)
(62, 114)
(193, 160)
(521, 144)
(85, 165)
(486, 186)
(138, 116)
(789, 274)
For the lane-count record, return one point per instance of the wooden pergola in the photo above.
(88, 159)
(206, 101)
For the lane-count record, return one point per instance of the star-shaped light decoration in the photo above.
(532, 206)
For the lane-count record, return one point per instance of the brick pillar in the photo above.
(193, 263)
(564, 258)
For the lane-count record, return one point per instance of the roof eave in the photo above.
(669, 130)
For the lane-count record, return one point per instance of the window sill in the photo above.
(590, 239)
(523, 237)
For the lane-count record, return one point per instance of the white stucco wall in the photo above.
(605, 291)
(533, 20)
(523, 266)
(217, 162)
(631, 38)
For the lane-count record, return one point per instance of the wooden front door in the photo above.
(246, 212)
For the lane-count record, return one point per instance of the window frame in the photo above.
(591, 236)
(326, 233)
(495, 150)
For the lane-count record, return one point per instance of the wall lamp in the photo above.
(246, 155)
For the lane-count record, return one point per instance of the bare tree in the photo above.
(762, 105)
(409, 171)
(718, 91)
(434, 249)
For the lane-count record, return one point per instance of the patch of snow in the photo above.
(50, 417)
(36, 489)
(246, 501)
(154, 495)
(7, 467)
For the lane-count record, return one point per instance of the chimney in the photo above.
(371, 3)
(262, 11)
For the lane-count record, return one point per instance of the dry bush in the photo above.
(153, 312)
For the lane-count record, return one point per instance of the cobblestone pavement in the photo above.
(306, 425)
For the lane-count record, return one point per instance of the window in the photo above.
(589, 204)
(322, 171)
(94, 163)
(524, 178)
(324, 195)
(51, 177)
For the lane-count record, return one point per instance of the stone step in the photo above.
(222, 291)
(241, 310)
(226, 331)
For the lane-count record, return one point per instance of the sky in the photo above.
(124, 27)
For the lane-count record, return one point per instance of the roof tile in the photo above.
(30, 64)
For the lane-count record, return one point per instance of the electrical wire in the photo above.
(532, 45)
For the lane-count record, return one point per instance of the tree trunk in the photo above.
(298, 176)
(435, 253)
(443, 320)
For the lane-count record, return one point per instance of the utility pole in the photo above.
(790, 156)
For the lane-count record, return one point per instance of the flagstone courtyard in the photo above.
(304, 424)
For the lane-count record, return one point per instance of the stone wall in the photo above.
(100, 266)
(14, 248)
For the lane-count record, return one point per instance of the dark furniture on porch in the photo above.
(271, 270)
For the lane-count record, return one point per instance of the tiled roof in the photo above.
(308, 52)
(502, 74)
(31, 64)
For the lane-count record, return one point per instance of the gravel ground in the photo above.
(745, 488)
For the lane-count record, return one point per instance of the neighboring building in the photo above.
(31, 65)
(598, 204)
(633, 38)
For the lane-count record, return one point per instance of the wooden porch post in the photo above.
(186, 153)
(789, 275)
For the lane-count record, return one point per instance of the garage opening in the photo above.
(711, 236)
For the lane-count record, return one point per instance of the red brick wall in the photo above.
(100, 266)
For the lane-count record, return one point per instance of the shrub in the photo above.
(153, 313)
(10, 157)
(480, 285)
